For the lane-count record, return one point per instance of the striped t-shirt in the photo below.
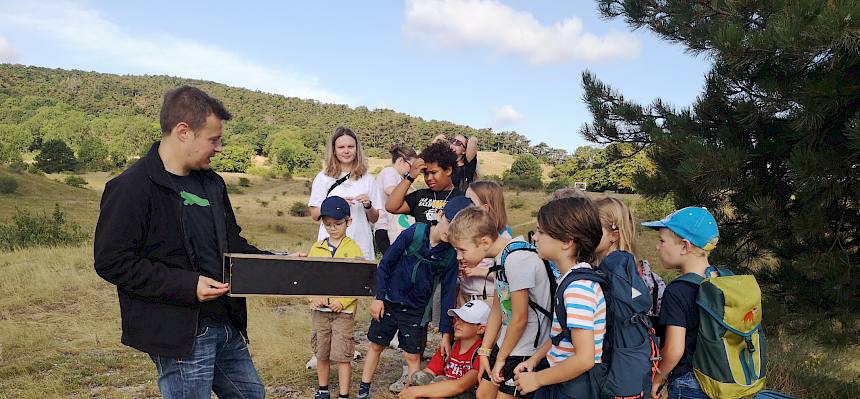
(586, 310)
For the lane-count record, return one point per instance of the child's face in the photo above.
(671, 249)
(442, 225)
(470, 252)
(336, 228)
(436, 178)
(464, 330)
(549, 248)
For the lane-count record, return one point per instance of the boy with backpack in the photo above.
(520, 315)
(454, 375)
(415, 264)
(713, 343)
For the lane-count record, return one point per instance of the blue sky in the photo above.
(508, 65)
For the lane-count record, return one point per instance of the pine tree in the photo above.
(772, 145)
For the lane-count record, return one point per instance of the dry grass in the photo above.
(59, 322)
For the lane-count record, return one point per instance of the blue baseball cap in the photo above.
(335, 207)
(693, 224)
(455, 205)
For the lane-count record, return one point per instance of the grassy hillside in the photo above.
(60, 326)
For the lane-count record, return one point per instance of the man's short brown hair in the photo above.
(190, 105)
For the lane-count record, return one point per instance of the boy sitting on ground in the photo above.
(454, 375)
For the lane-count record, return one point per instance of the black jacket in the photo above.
(140, 246)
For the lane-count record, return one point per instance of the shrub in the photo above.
(244, 182)
(522, 183)
(646, 208)
(75, 181)
(26, 230)
(233, 189)
(33, 169)
(94, 155)
(300, 209)
(18, 167)
(8, 185)
(233, 158)
(517, 202)
(279, 212)
(55, 156)
(495, 178)
(267, 173)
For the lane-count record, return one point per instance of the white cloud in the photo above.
(507, 115)
(490, 24)
(88, 33)
(7, 52)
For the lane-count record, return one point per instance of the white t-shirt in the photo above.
(388, 177)
(359, 230)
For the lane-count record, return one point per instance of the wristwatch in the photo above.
(369, 205)
(409, 177)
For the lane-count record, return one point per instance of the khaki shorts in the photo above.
(332, 336)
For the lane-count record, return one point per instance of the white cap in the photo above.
(475, 311)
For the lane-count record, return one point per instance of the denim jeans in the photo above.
(220, 363)
(686, 387)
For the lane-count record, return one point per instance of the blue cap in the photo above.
(455, 205)
(335, 207)
(693, 224)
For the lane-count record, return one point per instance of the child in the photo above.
(568, 233)
(516, 327)
(454, 375)
(404, 288)
(686, 238)
(476, 281)
(334, 318)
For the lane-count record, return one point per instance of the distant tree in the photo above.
(55, 156)
(93, 155)
(525, 173)
(233, 158)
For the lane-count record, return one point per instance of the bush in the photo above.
(233, 158)
(495, 178)
(244, 182)
(268, 173)
(33, 169)
(521, 183)
(94, 155)
(8, 185)
(26, 230)
(75, 181)
(646, 208)
(557, 183)
(517, 202)
(300, 209)
(18, 167)
(55, 156)
(233, 189)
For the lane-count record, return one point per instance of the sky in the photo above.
(506, 65)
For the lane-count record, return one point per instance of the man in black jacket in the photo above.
(163, 228)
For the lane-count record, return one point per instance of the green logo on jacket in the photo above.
(191, 199)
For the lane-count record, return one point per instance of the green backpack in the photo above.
(729, 360)
(439, 266)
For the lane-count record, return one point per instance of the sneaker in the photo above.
(363, 391)
(311, 364)
(322, 395)
(399, 385)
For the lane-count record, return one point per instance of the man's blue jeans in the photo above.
(220, 363)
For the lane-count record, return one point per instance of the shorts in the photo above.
(424, 378)
(332, 336)
(404, 321)
(511, 363)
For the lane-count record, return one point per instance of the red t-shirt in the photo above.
(458, 364)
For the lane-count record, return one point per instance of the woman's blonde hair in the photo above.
(332, 164)
(490, 193)
(615, 215)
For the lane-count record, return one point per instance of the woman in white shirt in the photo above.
(401, 160)
(346, 175)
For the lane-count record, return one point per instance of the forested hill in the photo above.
(98, 100)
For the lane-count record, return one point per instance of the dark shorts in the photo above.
(511, 363)
(404, 321)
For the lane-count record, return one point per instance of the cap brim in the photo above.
(453, 312)
(657, 224)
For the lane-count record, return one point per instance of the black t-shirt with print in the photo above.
(199, 226)
(424, 200)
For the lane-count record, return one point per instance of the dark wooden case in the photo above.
(252, 274)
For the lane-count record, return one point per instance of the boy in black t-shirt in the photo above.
(437, 162)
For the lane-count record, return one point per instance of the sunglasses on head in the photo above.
(458, 143)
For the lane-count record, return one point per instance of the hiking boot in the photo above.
(322, 395)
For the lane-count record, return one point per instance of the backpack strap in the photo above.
(337, 183)
(541, 310)
(561, 309)
(655, 292)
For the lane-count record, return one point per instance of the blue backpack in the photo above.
(630, 349)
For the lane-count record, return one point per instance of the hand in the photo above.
(408, 393)
(527, 382)
(656, 386)
(445, 345)
(335, 306)
(209, 289)
(318, 302)
(416, 167)
(496, 374)
(526, 366)
(363, 199)
(302, 254)
(475, 272)
(377, 308)
(483, 366)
